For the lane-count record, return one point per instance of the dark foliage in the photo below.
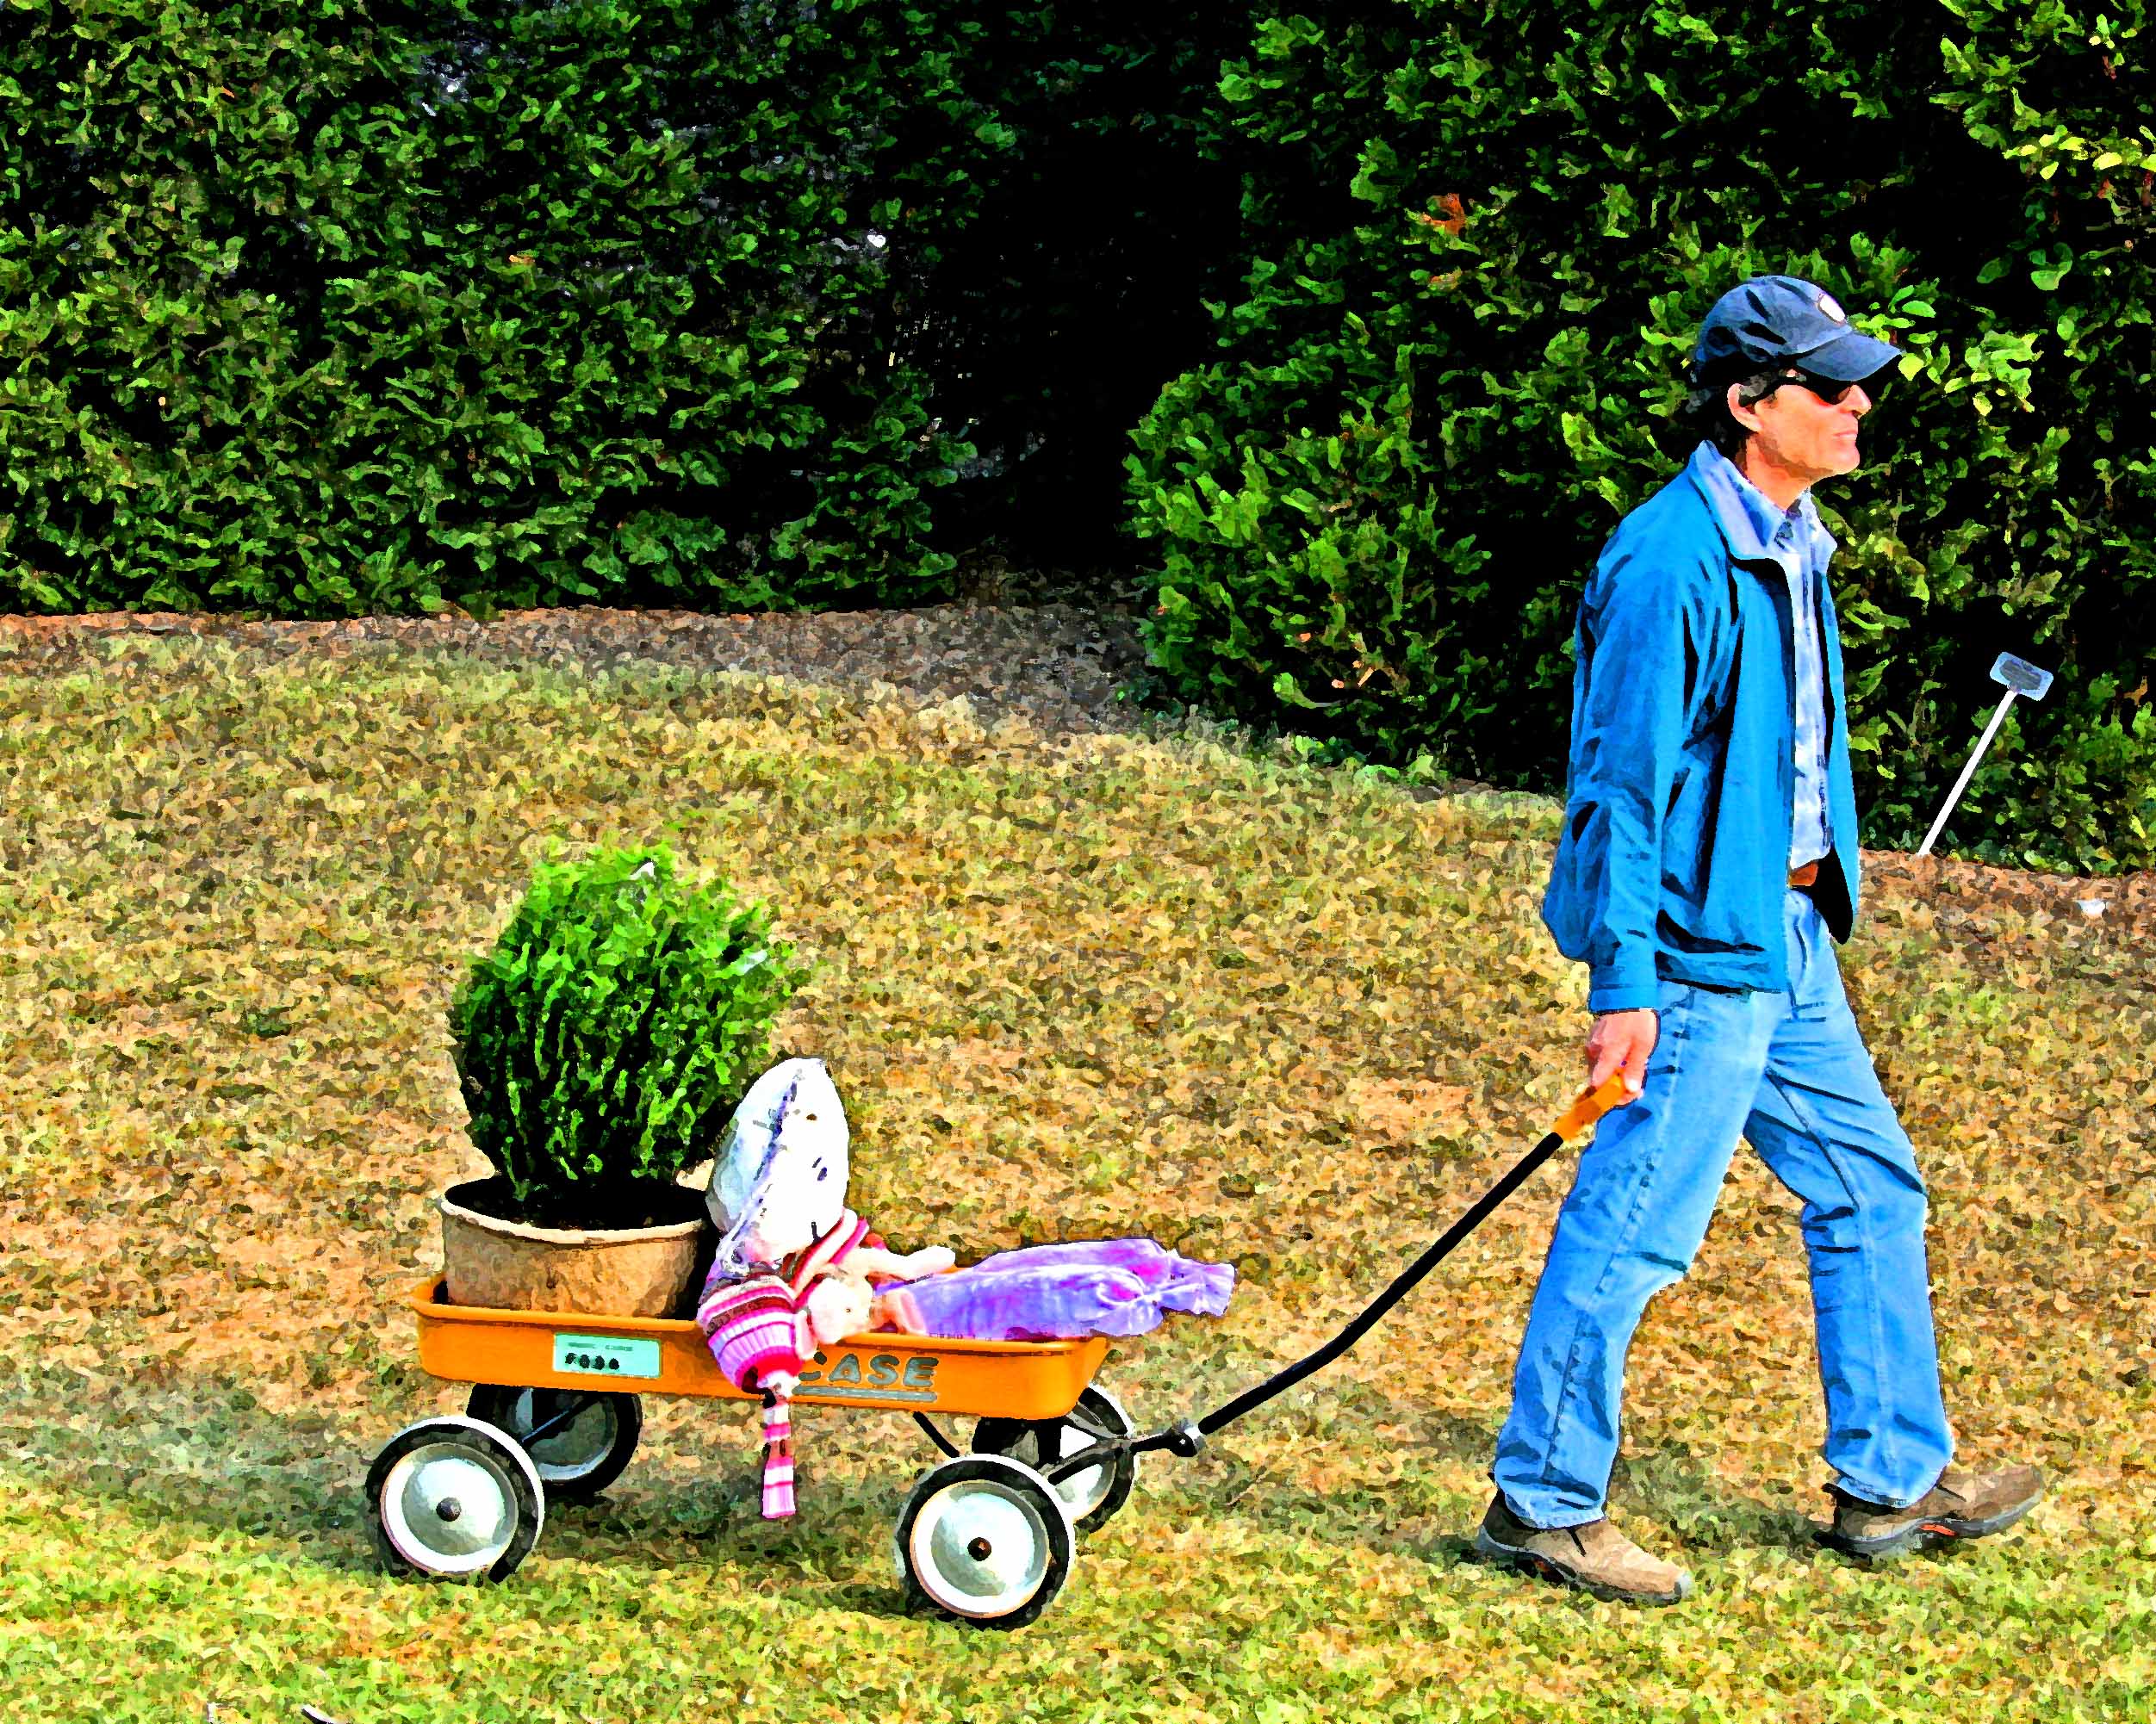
(1479, 241)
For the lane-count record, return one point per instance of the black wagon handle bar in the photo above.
(1184, 1439)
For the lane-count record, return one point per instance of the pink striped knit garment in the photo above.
(757, 1328)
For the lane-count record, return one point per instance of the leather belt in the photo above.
(1804, 876)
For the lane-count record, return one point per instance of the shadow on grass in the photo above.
(195, 1451)
(1667, 1488)
(199, 1452)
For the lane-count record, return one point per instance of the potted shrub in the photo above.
(601, 1047)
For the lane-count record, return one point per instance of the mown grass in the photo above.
(1074, 987)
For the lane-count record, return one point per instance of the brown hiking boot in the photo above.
(1961, 1505)
(1596, 1558)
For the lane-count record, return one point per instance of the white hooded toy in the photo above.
(795, 1268)
(779, 1182)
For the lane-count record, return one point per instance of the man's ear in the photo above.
(1747, 415)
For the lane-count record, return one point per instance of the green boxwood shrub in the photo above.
(1481, 240)
(606, 1041)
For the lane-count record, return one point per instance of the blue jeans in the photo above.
(1789, 1071)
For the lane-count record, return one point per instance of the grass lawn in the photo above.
(1068, 988)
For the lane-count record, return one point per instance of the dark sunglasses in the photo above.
(1828, 389)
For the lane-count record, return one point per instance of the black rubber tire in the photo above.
(402, 1518)
(575, 1464)
(1098, 1414)
(1021, 1504)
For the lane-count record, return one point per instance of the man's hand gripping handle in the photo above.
(1619, 1043)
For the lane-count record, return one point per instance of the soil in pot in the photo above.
(646, 1203)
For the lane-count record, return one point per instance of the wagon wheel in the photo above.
(454, 1499)
(985, 1539)
(1094, 1495)
(584, 1437)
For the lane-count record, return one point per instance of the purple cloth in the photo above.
(1046, 1293)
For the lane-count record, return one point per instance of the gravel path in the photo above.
(1057, 664)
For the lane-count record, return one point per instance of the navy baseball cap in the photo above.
(1779, 320)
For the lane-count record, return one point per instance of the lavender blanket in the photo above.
(1094, 1287)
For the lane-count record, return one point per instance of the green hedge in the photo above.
(320, 309)
(330, 309)
(325, 309)
(1480, 238)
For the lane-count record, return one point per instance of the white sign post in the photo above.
(2021, 677)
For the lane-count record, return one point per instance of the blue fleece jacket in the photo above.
(1674, 854)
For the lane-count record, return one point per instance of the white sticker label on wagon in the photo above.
(601, 1356)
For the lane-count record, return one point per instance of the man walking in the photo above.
(1710, 846)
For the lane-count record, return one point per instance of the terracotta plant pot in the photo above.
(614, 1272)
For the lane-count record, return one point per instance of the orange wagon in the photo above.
(985, 1536)
(555, 1412)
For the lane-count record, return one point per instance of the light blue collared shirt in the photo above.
(1794, 539)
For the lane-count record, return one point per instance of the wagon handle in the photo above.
(1187, 1438)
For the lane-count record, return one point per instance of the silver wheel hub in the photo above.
(979, 1549)
(448, 1509)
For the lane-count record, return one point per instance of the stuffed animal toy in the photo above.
(795, 1268)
